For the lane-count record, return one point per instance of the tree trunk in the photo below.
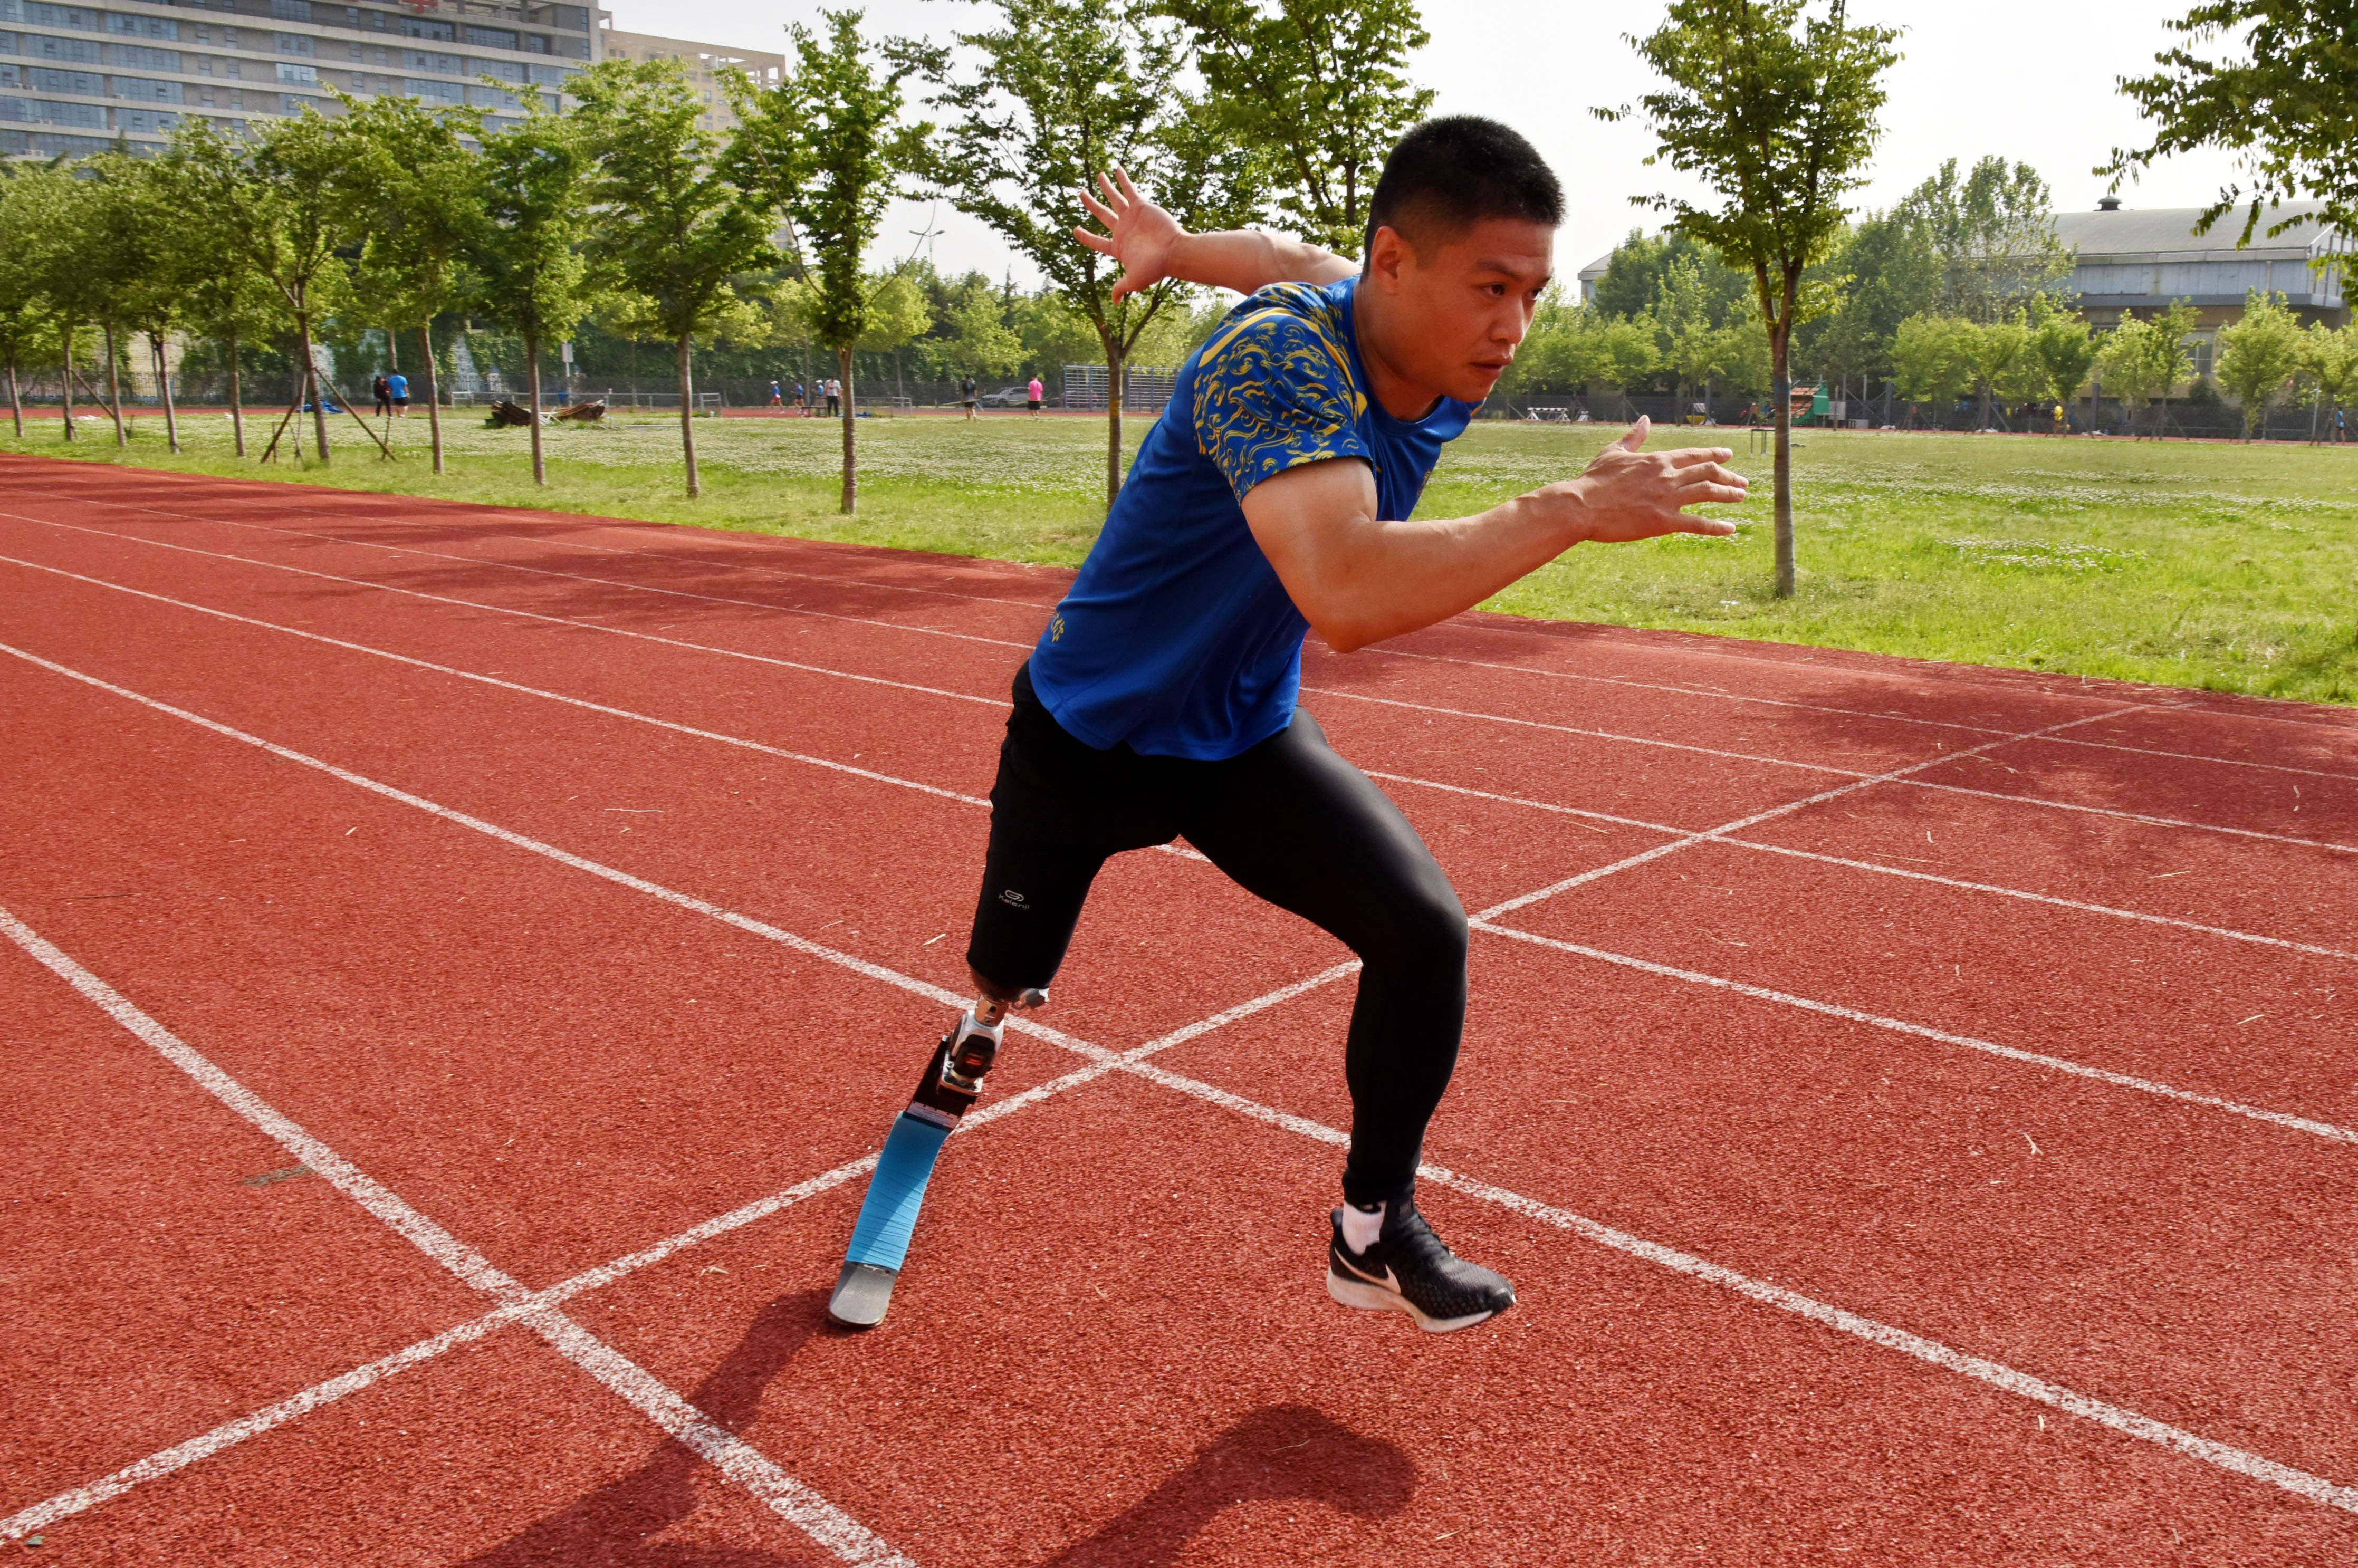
(1779, 351)
(687, 417)
(531, 381)
(114, 386)
(236, 399)
(433, 395)
(393, 352)
(164, 386)
(16, 403)
(1113, 422)
(65, 391)
(850, 446)
(310, 383)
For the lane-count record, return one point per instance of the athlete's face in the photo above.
(1453, 315)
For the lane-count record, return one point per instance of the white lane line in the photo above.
(996, 702)
(708, 535)
(503, 609)
(829, 1526)
(1996, 1374)
(514, 687)
(2228, 932)
(2314, 1488)
(1182, 851)
(1901, 1026)
(1395, 652)
(536, 571)
(1707, 835)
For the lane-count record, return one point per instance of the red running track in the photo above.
(460, 961)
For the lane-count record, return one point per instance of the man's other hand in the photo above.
(1138, 234)
(1630, 494)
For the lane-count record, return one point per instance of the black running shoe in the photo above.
(1409, 1270)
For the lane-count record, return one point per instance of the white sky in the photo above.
(2029, 79)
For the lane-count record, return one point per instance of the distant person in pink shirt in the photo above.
(1035, 393)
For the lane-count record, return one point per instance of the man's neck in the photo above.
(1394, 390)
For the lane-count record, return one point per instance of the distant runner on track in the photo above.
(1268, 501)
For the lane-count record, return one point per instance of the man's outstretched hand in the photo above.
(1630, 494)
(1138, 234)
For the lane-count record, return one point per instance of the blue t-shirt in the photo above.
(1177, 637)
(397, 385)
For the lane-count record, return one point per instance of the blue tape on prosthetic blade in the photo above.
(895, 1193)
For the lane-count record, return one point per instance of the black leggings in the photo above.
(1292, 823)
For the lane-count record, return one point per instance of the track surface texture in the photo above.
(459, 966)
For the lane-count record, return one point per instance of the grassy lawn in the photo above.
(2210, 565)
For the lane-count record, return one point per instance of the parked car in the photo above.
(1008, 397)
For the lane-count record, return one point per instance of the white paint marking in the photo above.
(831, 1528)
(2314, 1488)
(1901, 1026)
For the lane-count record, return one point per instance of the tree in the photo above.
(1932, 359)
(1995, 352)
(166, 264)
(526, 241)
(979, 342)
(2259, 355)
(2284, 99)
(673, 225)
(202, 178)
(2143, 360)
(1994, 231)
(1773, 107)
(825, 144)
(31, 198)
(290, 217)
(99, 254)
(1321, 87)
(1895, 274)
(1064, 89)
(414, 185)
(2330, 360)
(2065, 349)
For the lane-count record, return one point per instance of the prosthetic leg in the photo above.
(951, 1084)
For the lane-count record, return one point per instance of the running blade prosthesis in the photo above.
(896, 1192)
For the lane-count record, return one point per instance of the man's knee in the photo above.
(1426, 932)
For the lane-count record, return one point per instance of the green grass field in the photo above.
(2212, 565)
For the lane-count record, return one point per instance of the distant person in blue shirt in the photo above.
(1270, 500)
(396, 386)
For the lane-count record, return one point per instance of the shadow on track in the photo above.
(1276, 1454)
(611, 1527)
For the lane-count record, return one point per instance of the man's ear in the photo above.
(1389, 256)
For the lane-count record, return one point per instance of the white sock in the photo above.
(1362, 1226)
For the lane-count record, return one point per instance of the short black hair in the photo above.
(1449, 174)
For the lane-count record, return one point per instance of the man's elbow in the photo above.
(1342, 633)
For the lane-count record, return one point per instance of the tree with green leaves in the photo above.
(826, 145)
(1056, 93)
(1321, 88)
(2143, 359)
(2329, 359)
(2065, 350)
(413, 179)
(673, 225)
(1894, 274)
(101, 252)
(1932, 359)
(898, 314)
(226, 299)
(2259, 356)
(527, 239)
(1994, 230)
(1772, 105)
(978, 341)
(1995, 352)
(288, 209)
(2275, 82)
(32, 197)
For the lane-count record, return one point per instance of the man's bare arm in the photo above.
(1359, 579)
(1151, 247)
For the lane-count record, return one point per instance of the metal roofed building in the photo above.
(76, 78)
(703, 62)
(2137, 262)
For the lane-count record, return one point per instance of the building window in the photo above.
(291, 10)
(491, 37)
(146, 59)
(144, 26)
(536, 43)
(235, 69)
(420, 28)
(75, 17)
(294, 43)
(303, 74)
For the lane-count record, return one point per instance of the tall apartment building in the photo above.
(75, 78)
(703, 63)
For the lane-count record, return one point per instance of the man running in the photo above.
(1268, 501)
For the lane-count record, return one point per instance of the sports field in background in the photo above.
(2187, 564)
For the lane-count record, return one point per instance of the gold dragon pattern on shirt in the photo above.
(1275, 389)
